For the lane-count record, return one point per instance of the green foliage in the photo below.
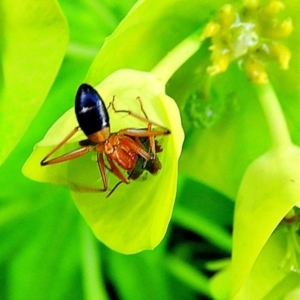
(30, 32)
(240, 141)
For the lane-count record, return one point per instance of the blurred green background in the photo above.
(46, 249)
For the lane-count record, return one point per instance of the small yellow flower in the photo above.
(250, 35)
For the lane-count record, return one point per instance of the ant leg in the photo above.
(68, 156)
(142, 108)
(137, 116)
(151, 138)
(141, 132)
(101, 166)
(44, 160)
(111, 102)
(114, 188)
(86, 189)
(83, 189)
(138, 148)
(137, 133)
(151, 134)
(114, 169)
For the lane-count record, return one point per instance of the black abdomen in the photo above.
(90, 110)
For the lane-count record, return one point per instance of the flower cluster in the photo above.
(249, 35)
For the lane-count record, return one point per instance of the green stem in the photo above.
(188, 274)
(177, 57)
(92, 280)
(214, 233)
(274, 115)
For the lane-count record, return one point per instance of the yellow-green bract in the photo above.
(135, 217)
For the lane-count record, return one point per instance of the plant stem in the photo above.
(275, 118)
(92, 281)
(177, 57)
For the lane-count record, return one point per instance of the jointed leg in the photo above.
(87, 189)
(114, 169)
(52, 161)
(101, 166)
(68, 156)
(114, 188)
(149, 133)
(142, 118)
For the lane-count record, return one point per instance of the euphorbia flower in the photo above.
(269, 191)
(265, 243)
(135, 217)
(270, 187)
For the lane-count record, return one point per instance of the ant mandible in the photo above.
(123, 148)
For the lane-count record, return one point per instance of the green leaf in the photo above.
(33, 42)
(269, 190)
(148, 275)
(52, 247)
(220, 284)
(137, 41)
(135, 217)
(188, 274)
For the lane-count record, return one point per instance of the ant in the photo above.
(131, 149)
